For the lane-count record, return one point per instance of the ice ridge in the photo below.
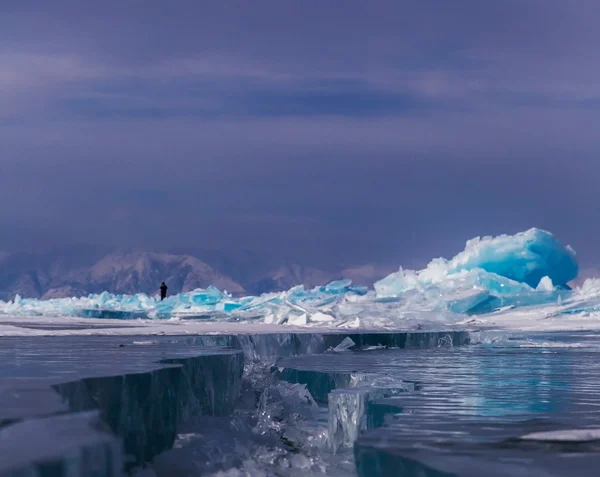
(528, 269)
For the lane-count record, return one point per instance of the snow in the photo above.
(502, 280)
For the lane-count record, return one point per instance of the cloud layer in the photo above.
(343, 131)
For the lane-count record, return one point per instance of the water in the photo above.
(490, 408)
(472, 405)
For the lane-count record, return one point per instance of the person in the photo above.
(163, 291)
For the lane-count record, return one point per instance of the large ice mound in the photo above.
(525, 258)
(528, 269)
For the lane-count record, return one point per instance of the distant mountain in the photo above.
(143, 272)
(367, 274)
(287, 276)
(80, 271)
(117, 272)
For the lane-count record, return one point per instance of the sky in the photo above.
(322, 131)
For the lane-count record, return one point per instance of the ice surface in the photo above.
(567, 435)
(60, 446)
(458, 394)
(141, 392)
(345, 345)
(527, 271)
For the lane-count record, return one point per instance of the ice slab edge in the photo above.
(279, 345)
(141, 392)
(146, 408)
(357, 400)
(322, 383)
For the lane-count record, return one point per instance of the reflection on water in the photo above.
(500, 379)
(473, 404)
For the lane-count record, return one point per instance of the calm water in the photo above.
(464, 414)
(473, 404)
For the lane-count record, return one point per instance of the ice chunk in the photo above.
(489, 273)
(524, 258)
(348, 415)
(545, 285)
(299, 320)
(350, 412)
(321, 317)
(345, 345)
(210, 296)
(284, 402)
(464, 300)
(338, 286)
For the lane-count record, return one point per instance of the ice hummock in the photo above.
(529, 269)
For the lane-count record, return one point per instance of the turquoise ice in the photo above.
(529, 269)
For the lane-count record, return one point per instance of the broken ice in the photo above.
(528, 269)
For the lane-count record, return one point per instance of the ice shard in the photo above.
(354, 410)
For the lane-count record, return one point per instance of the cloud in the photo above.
(381, 129)
(138, 60)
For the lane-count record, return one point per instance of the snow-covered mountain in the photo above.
(143, 272)
(289, 275)
(118, 272)
(367, 274)
(80, 272)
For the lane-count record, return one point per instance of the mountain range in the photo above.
(79, 271)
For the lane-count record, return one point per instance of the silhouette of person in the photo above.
(163, 291)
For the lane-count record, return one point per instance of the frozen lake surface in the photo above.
(311, 403)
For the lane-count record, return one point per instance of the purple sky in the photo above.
(324, 131)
